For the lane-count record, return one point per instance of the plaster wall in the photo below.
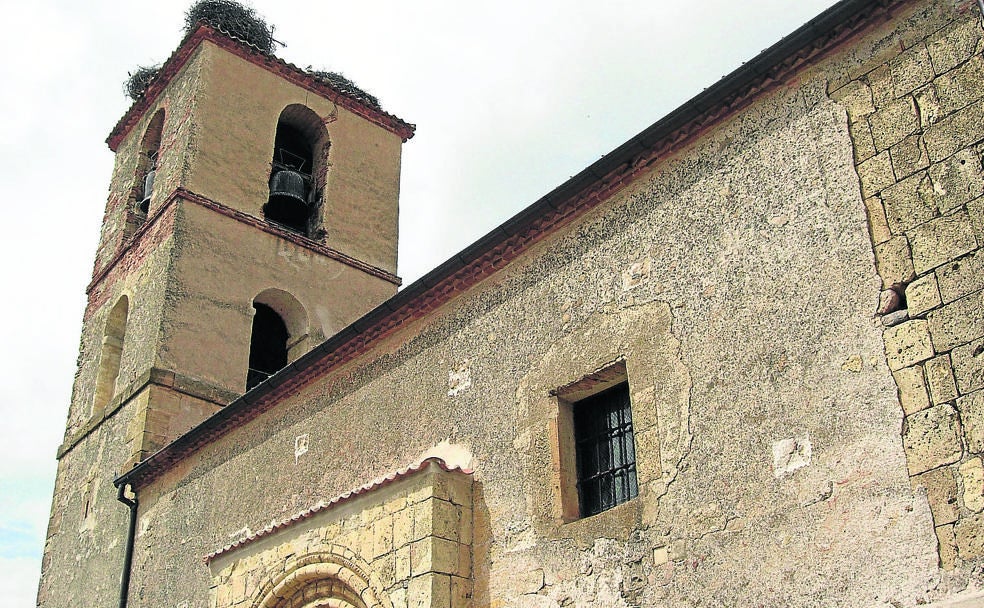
(221, 266)
(236, 122)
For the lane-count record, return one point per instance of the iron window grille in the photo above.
(605, 447)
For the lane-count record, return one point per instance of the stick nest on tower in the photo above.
(138, 81)
(346, 87)
(234, 20)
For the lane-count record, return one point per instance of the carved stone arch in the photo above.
(335, 578)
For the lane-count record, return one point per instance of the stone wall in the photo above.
(736, 283)
(917, 123)
(732, 285)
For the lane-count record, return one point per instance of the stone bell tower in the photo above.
(252, 213)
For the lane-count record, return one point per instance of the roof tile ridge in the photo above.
(321, 505)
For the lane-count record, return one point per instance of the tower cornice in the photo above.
(285, 70)
(203, 201)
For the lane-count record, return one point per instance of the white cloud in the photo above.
(19, 581)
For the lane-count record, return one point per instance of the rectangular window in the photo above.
(605, 448)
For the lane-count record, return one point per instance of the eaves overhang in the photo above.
(550, 213)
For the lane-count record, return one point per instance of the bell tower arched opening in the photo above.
(297, 176)
(267, 345)
(150, 147)
(279, 334)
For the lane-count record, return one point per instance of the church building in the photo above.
(737, 361)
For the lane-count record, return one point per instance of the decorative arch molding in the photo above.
(333, 578)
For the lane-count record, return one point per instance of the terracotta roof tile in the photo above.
(288, 71)
(341, 498)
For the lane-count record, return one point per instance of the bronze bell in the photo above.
(148, 190)
(289, 184)
(288, 204)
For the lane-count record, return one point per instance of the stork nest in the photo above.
(138, 81)
(346, 87)
(234, 20)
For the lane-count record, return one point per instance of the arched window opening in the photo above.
(297, 174)
(267, 345)
(110, 355)
(147, 164)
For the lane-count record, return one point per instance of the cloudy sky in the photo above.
(510, 99)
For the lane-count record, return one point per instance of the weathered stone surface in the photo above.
(953, 45)
(908, 344)
(955, 132)
(939, 377)
(972, 414)
(941, 492)
(909, 203)
(969, 537)
(922, 295)
(534, 601)
(957, 180)
(972, 480)
(931, 438)
(879, 81)
(895, 318)
(876, 174)
(975, 209)
(968, 366)
(961, 277)
(864, 147)
(912, 389)
(961, 86)
(941, 240)
(893, 121)
(909, 156)
(889, 301)
(928, 106)
(911, 70)
(855, 96)
(877, 223)
(947, 546)
(957, 322)
(894, 262)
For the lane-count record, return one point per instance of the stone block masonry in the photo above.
(917, 124)
(402, 541)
